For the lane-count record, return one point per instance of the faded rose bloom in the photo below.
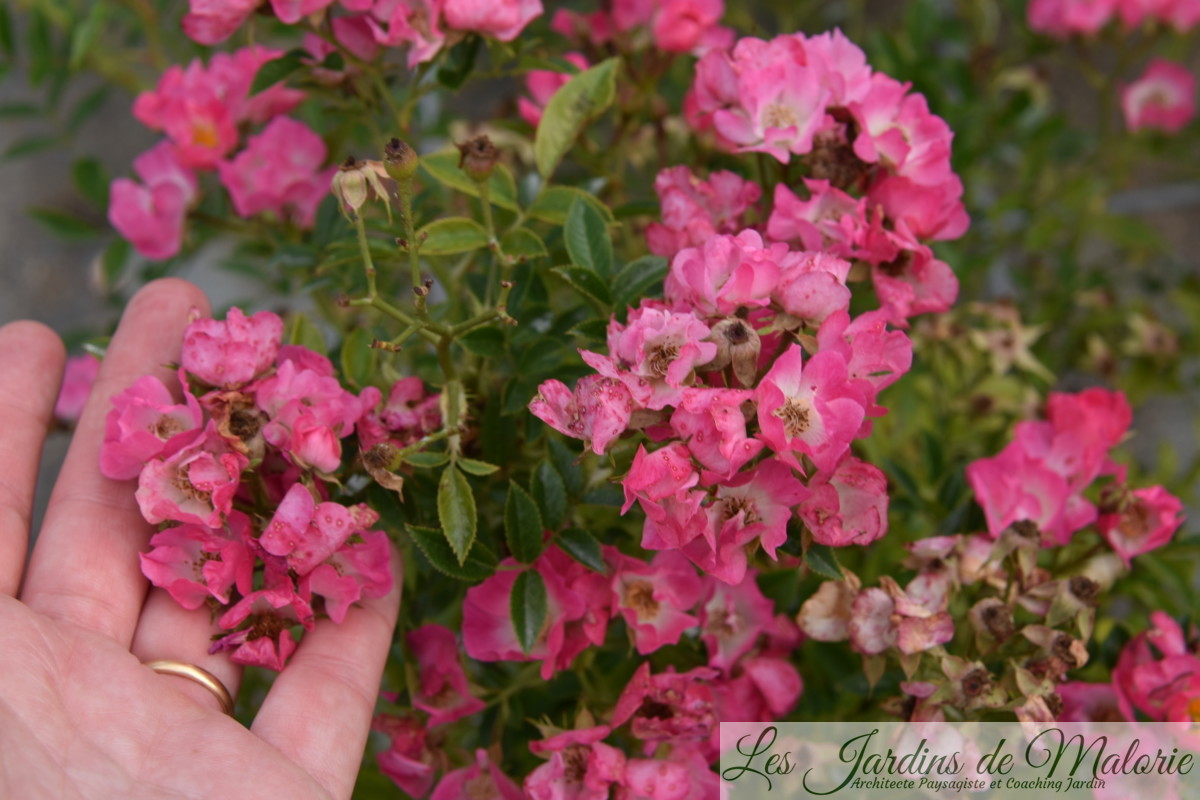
(1163, 98)
(668, 706)
(731, 619)
(847, 506)
(579, 763)
(482, 780)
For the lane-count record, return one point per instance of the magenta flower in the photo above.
(669, 706)
(579, 763)
(412, 22)
(812, 286)
(213, 21)
(731, 619)
(1163, 98)
(409, 760)
(78, 376)
(195, 563)
(304, 532)
(144, 419)
(875, 357)
(359, 568)
(233, 351)
(813, 410)
(848, 505)
(279, 172)
(1154, 667)
(711, 422)
(482, 779)
(1061, 18)
(151, 215)
(667, 472)
(1147, 522)
(443, 691)
(654, 598)
(1089, 702)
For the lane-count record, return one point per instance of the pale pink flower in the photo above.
(195, 483)
(826, 615)
(151, 215)
(811, 409)
(1163, 98)
(195, 563)
(280, 172)
(498, 19)
(711, 422)
(416, 23)
(542, 84)
(483, 779)
(443, 691)
(78, 376)
(1061, 18)
(1147, 522)
(654, 598)
(847, 505)
(409, 760)
(597, 411)
(731, 619)
(654, 354)
(870, 626)
(694, 210)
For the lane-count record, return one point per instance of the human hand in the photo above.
(80, 715)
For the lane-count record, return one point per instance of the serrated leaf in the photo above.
(456, 511)
(565, 462)
(820, 559)
(487, 342)
(358, 358)
(303, 332)
(586, 282)
(577, 102)
(479, 564)
(278, 69)
(587, 239)
(554, 203)
(639, 278)
(91, 179)
(451, 235)
(427, 459)
(443, 168)
(528, 608)
(550, 492)
(473, 467)
(593, 329)
(523, 243)
(63, 224)
(582, 546)
(522, 525)
(604, 496)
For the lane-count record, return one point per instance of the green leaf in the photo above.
(456, 511)
(303, 332)
(113, 261)
(86, 108)
(595, 330)
(427, 459)
(820, 559)
(19, 109)
(567, 465)
(587, 282)
(528, 608)
(92, 181)
(358, 358)
(63, 224)
(473, 467)
(41, 48)
(901, 477)
(639, 278)
(550, 492)
(443, 168)
(451, 235)
(479, 564)
(522, 524)
(582, 546)
(581, 99)
(6, 31)
(83, 38)
(459, 62)
(278, 69)
(587, 239)
(29, 145)
(554, 203)
(487, 342)
(523, 244)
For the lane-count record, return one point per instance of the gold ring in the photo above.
(203, 677)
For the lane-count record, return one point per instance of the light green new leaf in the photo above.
(456, 510)
(358, 358)
(580, 100)
(523, 243)
(554, 203)
(443, 167)
(451, 235)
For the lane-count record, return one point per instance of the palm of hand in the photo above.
(80, 716)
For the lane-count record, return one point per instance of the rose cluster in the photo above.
(202, 109)
(673, 26)
(241, 476)
(748, 674)
(879, 183)
(1062, 18)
